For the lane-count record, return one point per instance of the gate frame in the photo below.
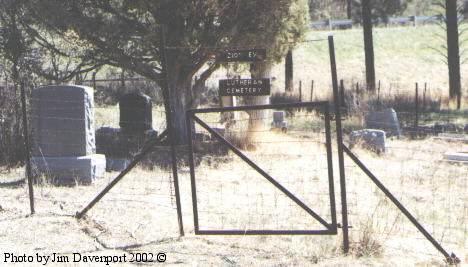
(331, 228)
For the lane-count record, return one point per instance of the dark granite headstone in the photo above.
(135, 113)
(120, 147)
(62, 122)
(385, 120)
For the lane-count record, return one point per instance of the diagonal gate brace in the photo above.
(264, 174)
(450, 258)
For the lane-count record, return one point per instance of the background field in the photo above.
(403, 56)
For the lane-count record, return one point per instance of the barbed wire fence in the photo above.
(231, 196)
(429, 185)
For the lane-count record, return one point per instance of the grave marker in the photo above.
(136, 113)
(63, 134)
(121, 144)
(386, 120)
(370, 139)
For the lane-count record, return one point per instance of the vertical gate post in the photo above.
(167, 92)
(339, 137)
(189, 123)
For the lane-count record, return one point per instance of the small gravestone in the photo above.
(120, 145)
(447, 128)
(385, 120)
(135, 113)
(458, 157)
(449, 137)
(278, 121)
(369, 138)
(62, 122)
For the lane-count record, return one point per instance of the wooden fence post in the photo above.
(424, 96)
(312, 91)
(300, 91)
(378, 95)
(416, 111)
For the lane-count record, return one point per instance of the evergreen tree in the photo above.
(127, 34)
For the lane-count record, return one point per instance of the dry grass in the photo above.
(139, 213)
(403, 56)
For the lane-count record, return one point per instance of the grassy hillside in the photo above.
(404, 55)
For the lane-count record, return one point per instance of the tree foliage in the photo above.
(127, 34)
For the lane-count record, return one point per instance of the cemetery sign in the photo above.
(244, 87)
(242, 55)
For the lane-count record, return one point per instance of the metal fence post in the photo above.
(342, 95)
(27, 147)
(339, 137)
(170, 128)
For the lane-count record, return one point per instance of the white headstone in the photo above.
(458, 157)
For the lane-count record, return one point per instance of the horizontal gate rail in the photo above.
(318, 104)
(265, 232)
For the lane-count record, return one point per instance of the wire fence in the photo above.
(331, 24)
(141, 208)
(233, 195)
(430, 186)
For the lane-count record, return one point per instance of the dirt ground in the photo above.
(139, 214)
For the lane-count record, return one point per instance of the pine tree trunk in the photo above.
(368, 44)
(179, 99)
(289, 75)
(453, 51)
